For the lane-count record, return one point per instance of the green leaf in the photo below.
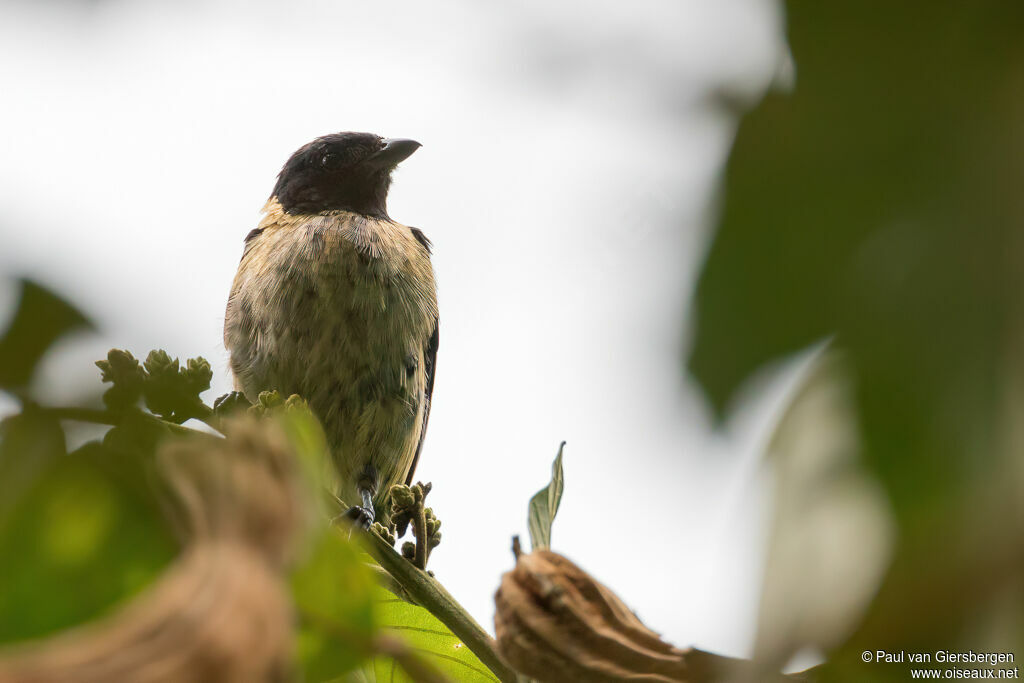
(78, 536)
(869, 203)
(544, 505)
(333, 593)
(333, 588)
(831, 533)
(310, 446)
(28, 443)
(847, 201)
(40, 320)
(428, 638)
(876, 204)
(136, 437)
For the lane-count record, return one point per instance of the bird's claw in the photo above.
(360, 517)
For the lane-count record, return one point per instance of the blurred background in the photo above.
(567, 179)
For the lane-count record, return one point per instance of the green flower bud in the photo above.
(123, 370)
(197, 375)
(401, 522)
(270, 399)
(401, 497)
(384, 533)
(296, 402)
(159, 363)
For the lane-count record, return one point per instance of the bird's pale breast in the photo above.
(339, 308)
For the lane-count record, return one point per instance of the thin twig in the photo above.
(419, 528)
(106, 417)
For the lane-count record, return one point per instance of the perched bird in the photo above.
(336, 302)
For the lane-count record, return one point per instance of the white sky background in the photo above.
(567, 172)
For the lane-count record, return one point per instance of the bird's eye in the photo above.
(330, 160)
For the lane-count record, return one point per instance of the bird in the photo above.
(336, 302)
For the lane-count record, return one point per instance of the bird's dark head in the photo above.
(349, 171)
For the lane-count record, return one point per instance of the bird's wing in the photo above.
(238, 318)
(430, 362)
(430, 359)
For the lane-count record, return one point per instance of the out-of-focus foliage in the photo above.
(40, 319)
(879, 202)
(544, 505)
(117, 535)
(79, 532)
(831, 532)
(221, 609)
(334, 595)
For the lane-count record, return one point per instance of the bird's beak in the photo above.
(395, 151)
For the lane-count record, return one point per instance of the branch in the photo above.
(431, 595)
(419, 527)
(107, 417)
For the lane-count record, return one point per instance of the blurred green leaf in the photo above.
(428, 638)
(875, 203)
(75, 540)
(333, 592)
(310, 446)
(40, 319)
(831, 535)
(878, 205)
(333, 588)
(135, 437)
(878, 193)
(544, 505)
(28, 443)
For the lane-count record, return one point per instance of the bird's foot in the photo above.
(361, 517)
